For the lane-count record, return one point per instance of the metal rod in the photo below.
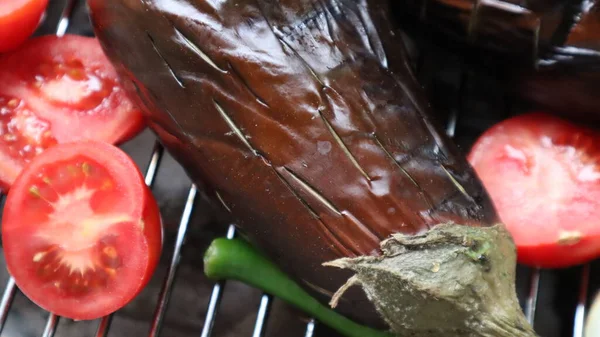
(532, 297)
(9, 291)
(215, 297)
(231, 232)
(165, 292)
(310, 328)
(155, 158)
(51, 325)
(211, 311)
(452, 120)
(261, 318)
(579, 321)
(104, 326)
(65, 18)
(9, 294)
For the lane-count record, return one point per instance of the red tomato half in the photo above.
(56, 90)
(543, 176)
(81, 231)
(18, 20)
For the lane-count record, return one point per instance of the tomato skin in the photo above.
(68, 83)
(18, 21)
(24, 220)
(543, 177)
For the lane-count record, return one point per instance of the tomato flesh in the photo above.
(57, 90)
(67, 82)
(543, 176)
(18, 20)
(23, 134)
(81, 234)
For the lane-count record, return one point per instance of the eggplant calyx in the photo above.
(453, 280)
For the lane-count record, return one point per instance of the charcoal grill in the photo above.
(468, 100)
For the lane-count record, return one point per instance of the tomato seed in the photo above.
(111, 272)
(77, 74)
(85, 167)
(38, 256)
(568, 238)
(13, 103)
(106, 185)
(110, 251)
(110, 258)
(35, 191)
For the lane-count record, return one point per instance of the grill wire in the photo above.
(58, 24)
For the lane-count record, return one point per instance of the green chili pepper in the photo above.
(237, 260)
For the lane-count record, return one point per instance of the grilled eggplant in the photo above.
(534, 33)
(304, 120)
(551, 48)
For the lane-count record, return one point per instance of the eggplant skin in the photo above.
(304, 119)
(529, 34)
(549, 50)
(569, 86)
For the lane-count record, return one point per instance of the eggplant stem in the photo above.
(235, 259)
(335, 299)
(452, 281)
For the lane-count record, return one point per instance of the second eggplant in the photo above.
(548, 49)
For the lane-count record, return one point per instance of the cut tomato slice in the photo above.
(56, 90)
(81, 231)
(543, 176)
(18, 20)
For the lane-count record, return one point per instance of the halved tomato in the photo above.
(18, 20)
(543, 176)
(56, 90)
(81, 231)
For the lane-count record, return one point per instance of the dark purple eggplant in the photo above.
(532, 33)
(569, 85)
(550, 48)
(304, 120)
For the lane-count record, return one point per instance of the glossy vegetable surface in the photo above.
(237, 260)
(18, 20)
(56, 90)
(543, 176)
(81, 231)
(550, 49)
(304, 119)
(537, 33)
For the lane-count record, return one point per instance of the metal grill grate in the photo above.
(59, 24)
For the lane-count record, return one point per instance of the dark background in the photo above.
(457, 89)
